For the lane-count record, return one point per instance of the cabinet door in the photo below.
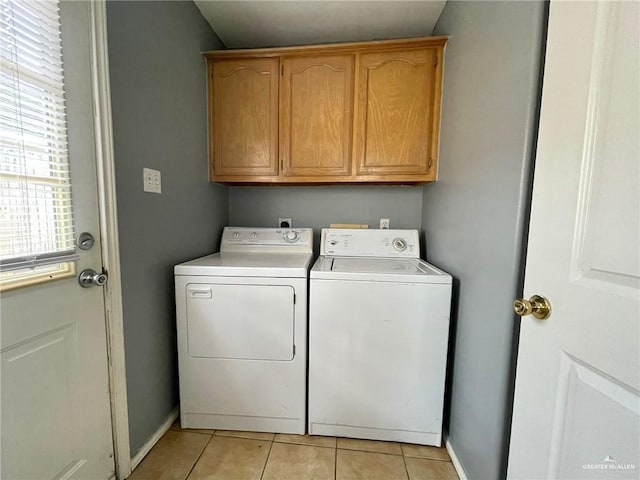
(398, 111)
(316, 108)
(244, 117)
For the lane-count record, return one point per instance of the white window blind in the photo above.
(36, 218)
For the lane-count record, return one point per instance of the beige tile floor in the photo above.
(183, 454)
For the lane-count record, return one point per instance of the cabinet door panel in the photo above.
(316, 105)
(244, 117)
(396, 96)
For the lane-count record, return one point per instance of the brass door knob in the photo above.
(537, 305)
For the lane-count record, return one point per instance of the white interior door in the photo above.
(56, 420)
(577, 403)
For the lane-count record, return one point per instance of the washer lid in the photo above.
(234, 264)
(378, 269)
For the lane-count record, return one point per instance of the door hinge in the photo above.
(294, 298)
(294, 350)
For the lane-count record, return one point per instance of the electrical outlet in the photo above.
(152, 180)
(284, 222)
(384, 223)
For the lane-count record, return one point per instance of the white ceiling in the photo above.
(251, 24)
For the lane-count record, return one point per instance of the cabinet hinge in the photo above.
(294, 350)
(281, 69)
(281, 164)
(435, 62)
(294, 298)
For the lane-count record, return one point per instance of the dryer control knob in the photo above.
(291, 236)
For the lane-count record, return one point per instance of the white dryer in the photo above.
(242, 332)
(378, 336)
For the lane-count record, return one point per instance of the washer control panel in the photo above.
(370, 243)
(246, 239)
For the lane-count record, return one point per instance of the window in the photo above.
(36, 218)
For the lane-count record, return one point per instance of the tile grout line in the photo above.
(199, 457)
(184, 430)
(264, 468)
(369, 451)
(247, 437)
(406, 467)
(428, 458)
(303, 444)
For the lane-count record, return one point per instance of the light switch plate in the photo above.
(152, 180)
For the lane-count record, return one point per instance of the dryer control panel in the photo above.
(370, 243)
(247, 239)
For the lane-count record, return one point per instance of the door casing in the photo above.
(109, 230)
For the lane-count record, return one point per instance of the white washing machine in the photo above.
(378, 335)
(242, 332)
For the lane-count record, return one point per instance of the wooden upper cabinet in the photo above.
(365, 112)
(243, 117)
(316, 104)
(398, 114)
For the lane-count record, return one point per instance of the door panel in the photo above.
(606, 238)
(395, 105)
(577, 398)
(244, 116)
(43, 374)
(316, 100)
(55, 406)
(578, 434)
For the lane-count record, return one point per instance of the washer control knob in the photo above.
(400, 244)
(291, 236)
(236, 235)
(254, 235)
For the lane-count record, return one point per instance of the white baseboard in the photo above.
(454, 459)
(146, 448)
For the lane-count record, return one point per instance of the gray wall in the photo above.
(317, 207)
(475, 215)
(159, 118)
